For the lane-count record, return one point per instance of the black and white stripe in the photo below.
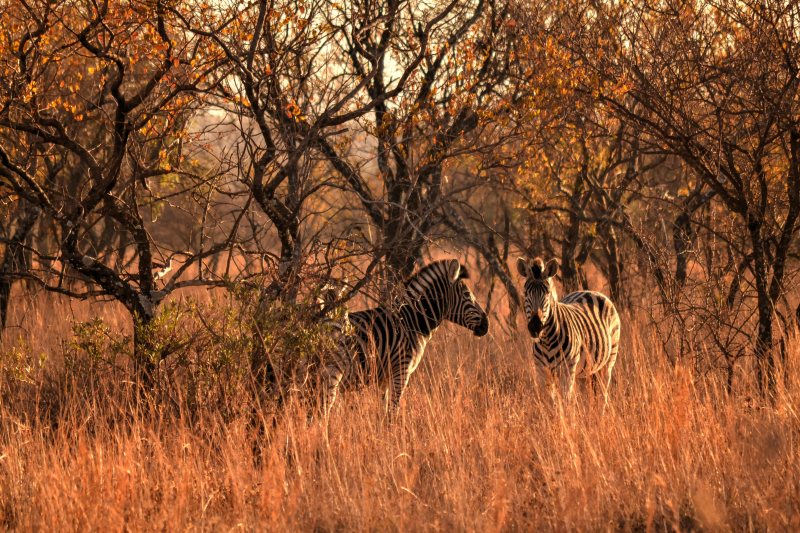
(577, 336)
(386, 344)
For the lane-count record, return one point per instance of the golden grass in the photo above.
(474, 447)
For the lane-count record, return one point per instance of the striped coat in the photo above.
(575, 337)
(386, 344)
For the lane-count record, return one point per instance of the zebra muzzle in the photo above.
(535, 327)
(482, 328)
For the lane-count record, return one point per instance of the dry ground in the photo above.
(475, 447)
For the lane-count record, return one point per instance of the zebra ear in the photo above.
(454, 270)
(537, 268)
(551, 269)
(328, 295)
(522, 267)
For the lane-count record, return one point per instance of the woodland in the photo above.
(181, 180)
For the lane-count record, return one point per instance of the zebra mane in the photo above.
(417, 284)
(537, 268)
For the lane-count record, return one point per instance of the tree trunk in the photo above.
(401, 261)
(569, 268)
(613, 265)
(265, 378)
(765, 358)
(403, 250)
(14, 258)
(682, 239)
(145, 356)
(289, 268)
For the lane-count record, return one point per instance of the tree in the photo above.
(450, 61)
(19, 225)
(716, 84)
(95, 113)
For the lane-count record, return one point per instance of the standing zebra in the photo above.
(386, 344)
(578, 336)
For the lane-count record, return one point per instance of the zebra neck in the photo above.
(551, 330)
(420, 317)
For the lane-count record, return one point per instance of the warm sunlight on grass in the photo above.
(475, 447)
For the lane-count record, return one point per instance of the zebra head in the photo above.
(439, 289)
(326, 302)
(540, 294)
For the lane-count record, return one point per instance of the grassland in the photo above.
(475, 447)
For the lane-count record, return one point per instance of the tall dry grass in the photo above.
(475, 447)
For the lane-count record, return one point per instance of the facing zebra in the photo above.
(386, 344)
(578, 336)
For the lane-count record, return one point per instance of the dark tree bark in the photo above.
(684, 233)
(614, 265)
(14, 260)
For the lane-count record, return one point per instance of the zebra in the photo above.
(578, 336)
(385, 344)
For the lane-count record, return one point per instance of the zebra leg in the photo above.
(398, 384)
(593, 387)
(586, 385)
(604, 376)
(333, 378)
(568, 383)
(604, 380)
(543, 379)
